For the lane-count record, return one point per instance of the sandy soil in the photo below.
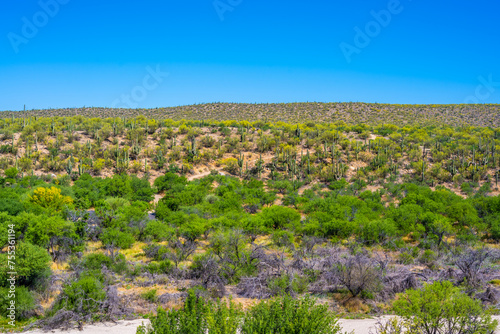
(120, 327)
(359, 326)
(362, 326)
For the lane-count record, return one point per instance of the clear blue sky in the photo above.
(96, 52)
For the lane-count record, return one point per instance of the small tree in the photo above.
(472, 265)
(442, 308)
(358, 273)
(53, 233)
(180, 251)
(234, 257)
(113, 240)
(85, 297)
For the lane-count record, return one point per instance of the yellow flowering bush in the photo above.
(50, 198)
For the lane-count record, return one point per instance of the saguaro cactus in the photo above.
(241, 158)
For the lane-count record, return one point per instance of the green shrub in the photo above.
(159, 231)
(235, 258)
(442, 308)
(338, 228)
(278, 217)
(224, 318)
(150, 295)
(121, 265)
(142, 190)
(116, 203)
(280, 286)
(282, 238)
(155, 251)
(197, 316)
(5, 221)
(95, 261)
(46, 232)
(254, 226)
(494, 223)
(84, 296)
(405, 258)
(286, 284)
(429, 258)
(285, 315)
(230, 165)
(377, 231)
(282, 315)
(117, 238)
(193, 229)
(25, 303)
(300, 284)
(164, 208)
(32, 264)
(11, 173)
(466, 188)
(161, 267)
(170, 181)
(11, 206)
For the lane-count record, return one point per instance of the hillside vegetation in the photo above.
(115, 216)
(351, 113)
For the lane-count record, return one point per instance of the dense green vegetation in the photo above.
(436, 308)
(109, 213)
(281, 316)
